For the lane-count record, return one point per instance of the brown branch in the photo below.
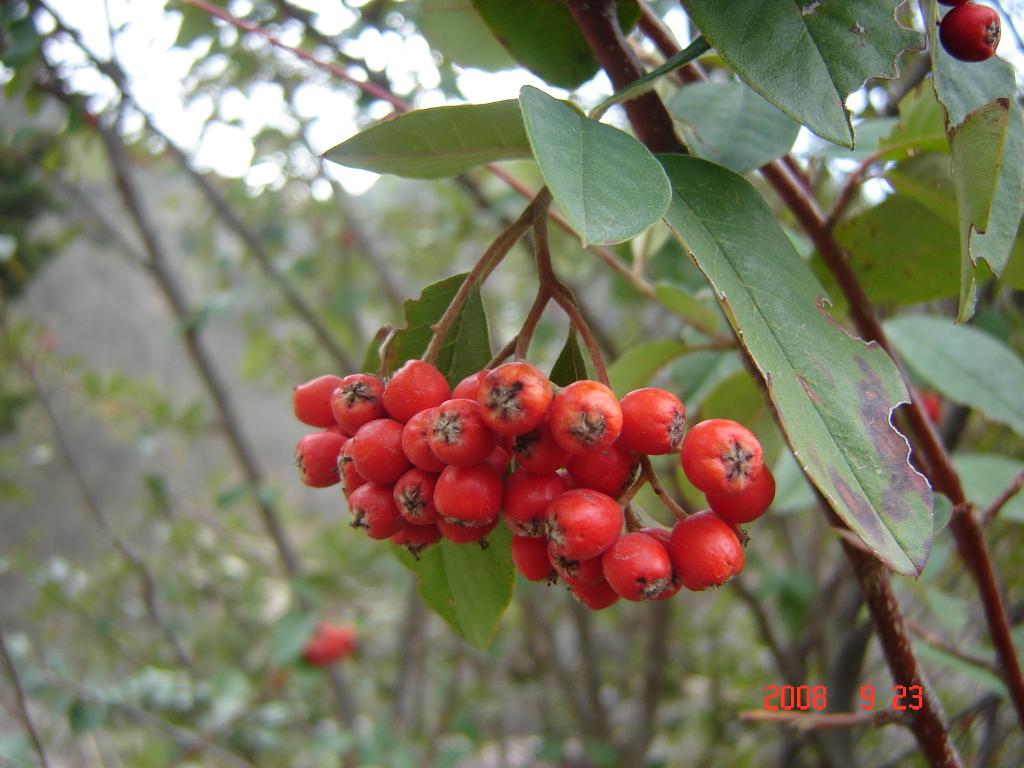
(935, 641)
(652, 477)
(807, 721)
(525, 334)
(1002, 500)
(24, 714)
(504, 353)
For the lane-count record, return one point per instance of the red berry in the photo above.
(664, 535)
(527, 497)
(414, 495)
(721, 456)
(415, 387)
(585, 416)
(328, 643)
(458, 533)
(357, 401)
(705, 551)
(499, 459)
(653, 421)
(350, 477)
(537, 451)
(470, 385)
(530, 557)
(514, 398)
(416, 538)
(583, 523)
(638, 567)
(316, 456)
(609, 471)
(577, 573)
(458, 434)
(468, 495)
(749, 504)
(312, 401)
(970, 32)
(932, 404)
(597, 597)
(377, 451)
(416, 444)
(373, 508)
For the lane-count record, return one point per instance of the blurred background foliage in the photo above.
(174, 257)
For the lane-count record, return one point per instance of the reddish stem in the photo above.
(648, 472)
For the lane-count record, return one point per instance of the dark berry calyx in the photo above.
(412, 501)
(504, 402)
(737, 461)
(589, 429)
(447, 428)
(676, 429)
(357, 392)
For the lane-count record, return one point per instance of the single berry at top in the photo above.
(457, 433)
(705, 551)
(312, 401)
(721, 456)
(357, 400)
(653, 421)
(747, 505)
(970, 32)
(585, 416)
(514, 398)
(414, 387)
(316, 456)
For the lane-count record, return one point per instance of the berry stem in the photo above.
(550, 284)
(632, 521)
(525, 334)
(651, 476)
(484, 266)
(386, 352)
(504, 353)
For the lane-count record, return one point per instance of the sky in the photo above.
(159, 81)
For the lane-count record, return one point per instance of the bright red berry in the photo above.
(609, 471)
(664, 535)
(705, 551)
(458, 435)
(499, 459)
(416, 538)
(416, 443)
(585, 416)
(597, 597)
(357, 400)
(749, 504)
(932, 404)
(530, 557)
(458, 533)
(350, 477)
(415, 387)
(414, 495)
(312, 401)
(329, 643)
(577, 573)
(721, 456)
(514, 398)
(527, 497)
(537, 451)
(583, 523)
(970, 32)
(638, 567)
(653, 421)
(374, 510)
(468, 496)
(316, 456)
(470, 385)
(377, 451)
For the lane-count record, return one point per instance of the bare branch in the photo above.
(23, 711)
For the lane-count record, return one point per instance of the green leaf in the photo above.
(468, 586)
(289, 638)
(436, 142)
(466, 347)
(833, 393)
(921, 126)
(541, 35)
(85, 715)
(682, 304)
(637, 365)
(868, 133)
(977, 145)
(962, 88)
(730, 124)
(985, 476)
(608, 185)
(455, 29)
(570, 365)
(901, 251)
(928, 180)
(806, 58)
(698, 374)
(964, 364)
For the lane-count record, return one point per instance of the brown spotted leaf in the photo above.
(834, 393)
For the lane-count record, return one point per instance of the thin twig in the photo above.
(934, 640)
(810, 721)
(1002, 500)
(504, 353)
(652, 477)
(525, 335)
(19, 696)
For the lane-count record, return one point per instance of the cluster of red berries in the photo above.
(969, 32)
(419, 462)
